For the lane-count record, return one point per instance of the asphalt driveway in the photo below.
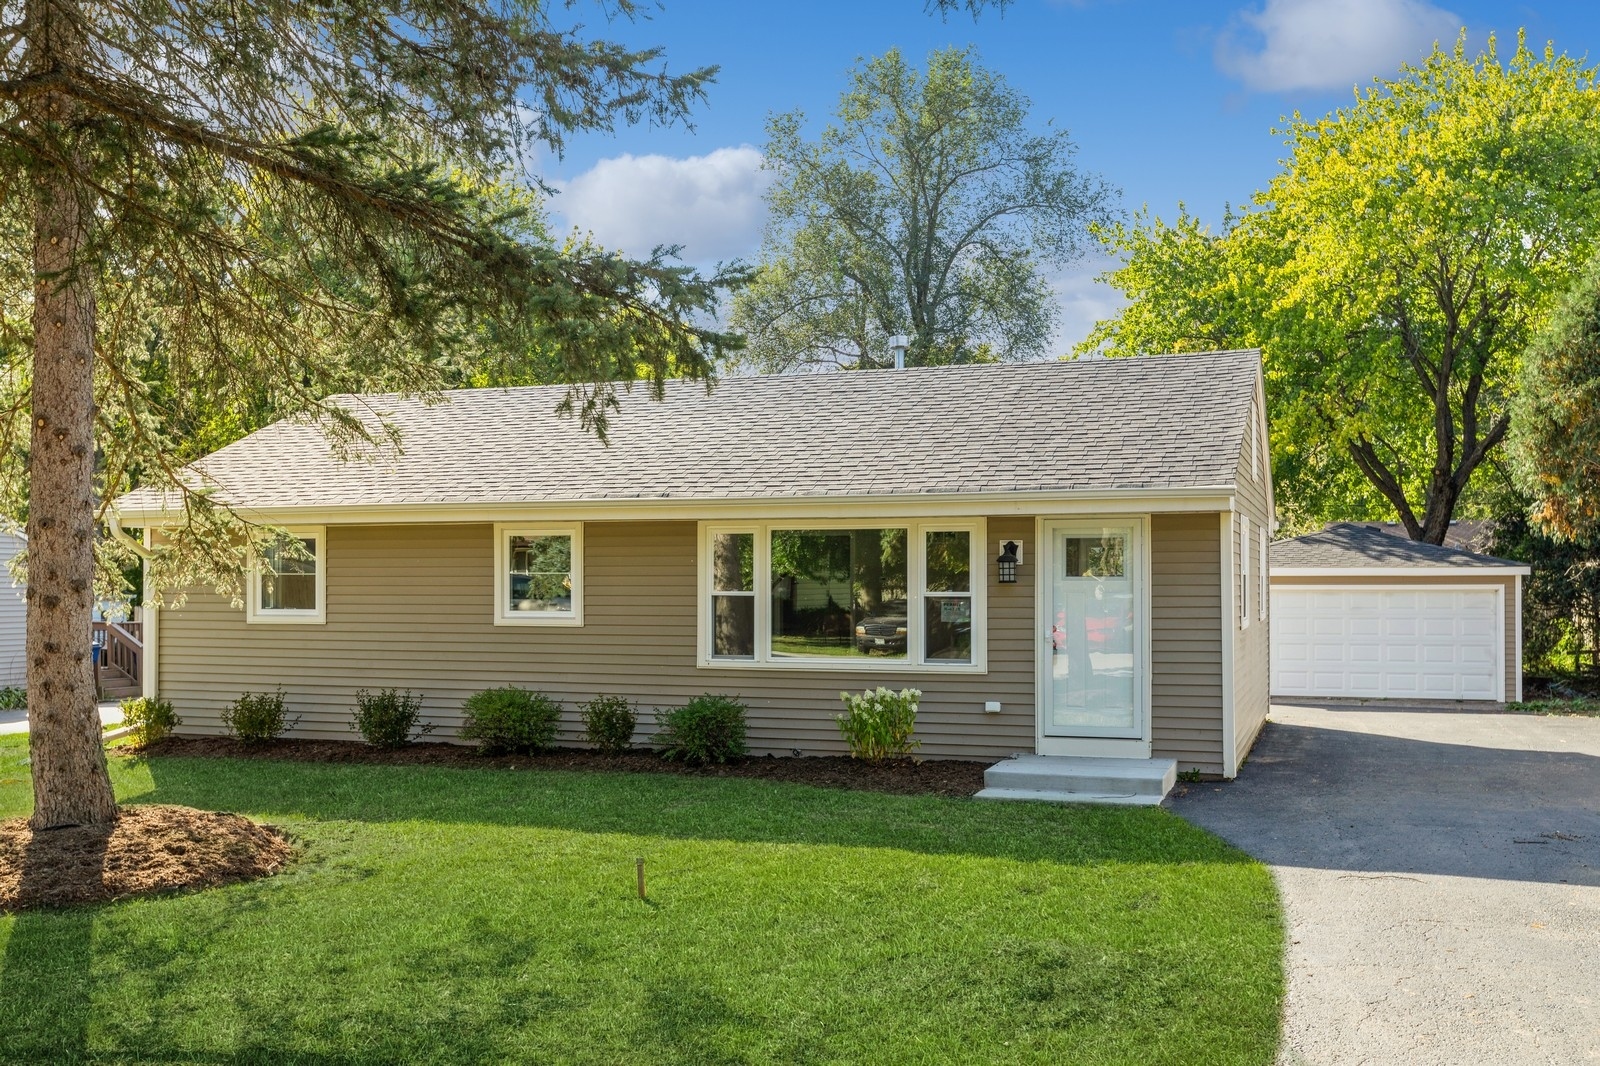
(1441, 876)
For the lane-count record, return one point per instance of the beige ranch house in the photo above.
(1068, 559)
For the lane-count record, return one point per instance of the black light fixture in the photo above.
(1008, 563)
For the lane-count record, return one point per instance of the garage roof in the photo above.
(1353, 546)
(1172, 422)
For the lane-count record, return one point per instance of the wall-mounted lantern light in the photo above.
(1008, 562)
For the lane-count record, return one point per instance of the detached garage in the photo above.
(1358, 612)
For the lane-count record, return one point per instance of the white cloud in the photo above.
(1329, 44)
(1084, 300)
(710, 204)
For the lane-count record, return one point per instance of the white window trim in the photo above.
(1244, 571)
(916, 563)
(255, 614)
(503, 615)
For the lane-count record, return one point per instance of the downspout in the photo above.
(121, 536)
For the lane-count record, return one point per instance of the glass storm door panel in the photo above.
(1096, 650)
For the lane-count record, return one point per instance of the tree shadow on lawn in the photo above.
(44, 997)
(737, 810)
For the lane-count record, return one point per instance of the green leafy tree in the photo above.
(1556, 444)
(1561, 597)
(1392, 273)
(928, 208)
(285, 197)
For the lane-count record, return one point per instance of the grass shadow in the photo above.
(46, 980)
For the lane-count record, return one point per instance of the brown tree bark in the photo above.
(70, 782)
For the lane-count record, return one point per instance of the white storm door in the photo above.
(1094, 639)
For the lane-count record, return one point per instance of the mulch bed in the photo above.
(155, 848)
(934, 777)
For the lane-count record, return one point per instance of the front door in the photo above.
(1094, 647)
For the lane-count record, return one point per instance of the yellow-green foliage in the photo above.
(1392, 272)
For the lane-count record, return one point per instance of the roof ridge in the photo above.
(846, 376)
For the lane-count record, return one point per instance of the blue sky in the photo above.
(1167, 100)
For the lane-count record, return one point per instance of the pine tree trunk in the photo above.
(70, 782)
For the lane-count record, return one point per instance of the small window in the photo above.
(287, 582)
(538, 576)
(1265, 584)
(733, 595)
(1245, 551)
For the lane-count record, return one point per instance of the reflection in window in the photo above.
(1093, 556)
(947, 607)
(733, 595)
(289, 575)
(541, 574)
(839, 592)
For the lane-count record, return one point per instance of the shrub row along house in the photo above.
(1067, 559)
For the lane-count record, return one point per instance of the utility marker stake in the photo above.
(639, 866)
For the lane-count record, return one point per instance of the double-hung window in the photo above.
(862, 596)
(288, 582)
(732, 558)
(538, 575)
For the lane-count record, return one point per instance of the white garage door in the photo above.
(1387, 643)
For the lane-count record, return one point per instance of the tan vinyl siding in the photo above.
(409, 606)
(1186, 639)
(1456, 576)
(13, 615)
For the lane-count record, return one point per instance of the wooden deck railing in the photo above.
(121, 651)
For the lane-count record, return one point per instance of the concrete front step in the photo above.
(1063, 779)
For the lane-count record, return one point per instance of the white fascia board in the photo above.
(1156, 501)
(1456, 572)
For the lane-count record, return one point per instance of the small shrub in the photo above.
(608, 722)
(511, 721)
(1191, 776)
(257, 717)
(877, 724)
(149, 719)
(706, 729)
(387, 718)
(13, 698)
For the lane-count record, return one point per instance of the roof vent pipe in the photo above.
(898, 344)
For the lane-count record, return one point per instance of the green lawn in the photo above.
(447, 916)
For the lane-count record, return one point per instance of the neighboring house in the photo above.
(13, 613)
(1358, 611)
(780, 539)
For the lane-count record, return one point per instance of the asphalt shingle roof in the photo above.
(1350, 545)
(1155, 422)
